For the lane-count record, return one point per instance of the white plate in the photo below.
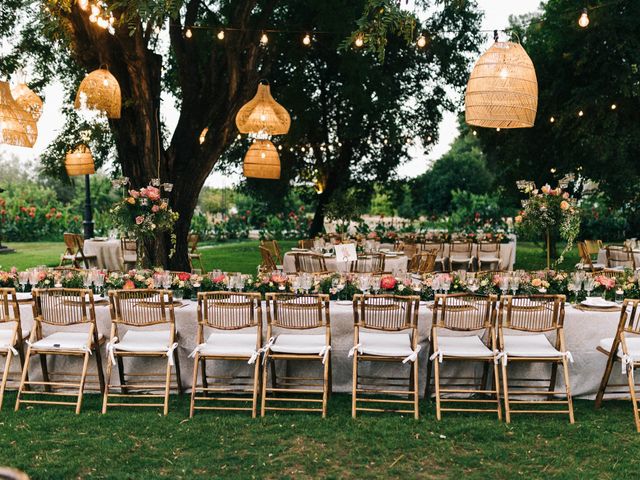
(23, 295)
(344, 302)
(598, 302)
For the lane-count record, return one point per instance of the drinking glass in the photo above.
(240, 281)
(23, 279)
(166, 280)
(504, 285)
(576, 283)
(295, 284)
(588, 285)
(514, 284)
(446, 284)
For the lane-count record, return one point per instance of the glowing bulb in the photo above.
(95, 10)
(105, 82)
(203, 135)
(302, 149)
(429, 138)
(475, 133)
(279, 147)
(188, 33)
(306, 40)
(93, 18)
(422, 42)
(580, 113)
(238, 137)
(102, 23)
(613, 106)
(83, 4)
(263, 155)
(221, 35)
(291, 149)
(583, 21)
(553, 170)
(498, 129)
(264, 39)
(359, 41)
(552, 119)
(504, 73)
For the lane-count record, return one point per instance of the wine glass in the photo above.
(166, 280)
(240, 281)
(472, 284)
(589, 284)
(514, 284)
(375, 284)
(446, 284)
(295, 284)
(504, 285)
(435, 284)
(23, 279)
(98, 281)
(576, 283)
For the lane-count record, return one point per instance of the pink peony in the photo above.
(565, 195)
(218, 279)
(139, 219)
(129, 285)
(546, 189)
(134, 193)
(388, 282)
(155, 209)
(564, 205)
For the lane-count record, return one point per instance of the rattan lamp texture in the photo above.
(502, 91)
(27, 100)
(100, 91)
(79, 161)
(17, 127)
(262, 161)
(263, 114)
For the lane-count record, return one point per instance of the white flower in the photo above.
(400, 287)
(47, 282)
(271, 284)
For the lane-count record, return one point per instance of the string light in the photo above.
(613, 106)
(359, 41)
(264, 39)
(498, 129)
(239, 137)
(583, 21)
(188, 33)
(422, 41)
(203, 135)
(279, 147)
(221, 35)
(83, 4)
(580, 113)
(475, 133)
(306, 40)
(552, 119)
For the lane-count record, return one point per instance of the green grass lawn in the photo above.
(136, 443)
(240, 256)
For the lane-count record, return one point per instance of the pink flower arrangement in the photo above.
(152, 193)
(607, 282)
(219, 279)
(184, 276)
(388, 282)
(139, 219)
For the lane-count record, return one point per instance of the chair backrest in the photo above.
(492, 248)
(463, 247)
(423, 262)
(229, 310)
(369, 263)
(613, 273)
(583, 250)
(389, 313)
(273, 247)
(310, 263)
(593, 246)
(533, 313)
(268, 263)
(464, 312)
(9, 309)
(620, 256)
(63, 306)
(630, 317)
(193, 240)
(430, 246)
(129, 245)
(298, 312)
(79, 241)
(141, 307)
(306, 243)
(70, 242)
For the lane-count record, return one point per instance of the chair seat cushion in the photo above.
(6, 334)
(294, 343)
(456, 258)
(144, 341)
(633, 346)
(232, 344)
(536, 345)
(463, 346)
(130, 257)
(385, 344)
(489, 259)
(63, 341)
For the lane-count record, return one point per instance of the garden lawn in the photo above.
(242, 256)
(52, 442)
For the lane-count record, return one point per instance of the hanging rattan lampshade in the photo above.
(263, 114)
(262, 161)
(79, 161)
(503, 90)
(17, 127)
(28, 100)
(100, 91)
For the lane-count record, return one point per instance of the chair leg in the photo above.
(567, 383)
(167, 389)
(25, 372)
(605, 380)
(436, 371)
(194, 383)
(416, 399)
(505, 389)
(264, 384)
(105, 397)
(256, 388)
(496, 380)
(45, 371)
(83, 378)
(178, 378)
(121, 374)
(552, 380)
(427, 387)
(99, 367)
(274, 379)
(203, 375)
(634, 400)
(354, 385)
(5, 376)
(325, 387)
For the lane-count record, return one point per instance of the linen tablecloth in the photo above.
(108, 252)
(397, 264)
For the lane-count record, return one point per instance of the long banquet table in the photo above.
(397, 263)
(583, 332)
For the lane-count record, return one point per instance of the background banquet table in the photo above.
(397, 264)
(583, 332)
(602, 257)
(108, 253)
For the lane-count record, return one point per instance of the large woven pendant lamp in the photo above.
(262, 161)
(502, 91)
(79, 161)
(263, 114)
(17, 127)
(28, 100)
(100, 91)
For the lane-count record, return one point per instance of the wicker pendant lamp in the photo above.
(27, 100)
(502, 91)
(79, 161)
(17, 127)
(263, 114)
(262, 161)
(100, 91)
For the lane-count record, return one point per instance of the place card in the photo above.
(346, 252)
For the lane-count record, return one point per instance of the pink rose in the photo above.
(139, 219)
(152, 193)
(218, 279)
(565, 195)
(388, 282)
(155, 209)
(134, 193)
(564, 205)
(546, 189)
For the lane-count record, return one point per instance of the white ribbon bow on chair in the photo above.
(414, 356)
(324, 352)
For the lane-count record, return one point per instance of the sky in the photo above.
(496, 16)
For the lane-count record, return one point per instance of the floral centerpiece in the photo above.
(9, 279)
(143, 214)
(551, 212)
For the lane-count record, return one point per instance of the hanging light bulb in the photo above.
(264, 39)
(583, 21)
(221, 35)
(93, 18)
(552, 119)
(359, 41)
(306, 40)
(475, 133)
(422, 41)
(580, 113)
(613, 106)
(95, 10)
(83, 4)
(188, 33)
(102, 22)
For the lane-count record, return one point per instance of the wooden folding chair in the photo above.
(378, 319)
(74, 254)
(534, 315)
(55, 309)
(285, 313)
(619, 256)
(274, 249)
(310, 263)
(369, 263)
(194, 254)
(218, 314)
(623, 348)
(423, 262)
(129, 253)
(488, 253)
(441, 259)
(140, 313)
(306, 243)
(11, 335)
(462, 312)
(461, 254)
(586, 262)
(268, 264)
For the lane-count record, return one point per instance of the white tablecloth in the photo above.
(397, 264)
(583, 331)
(602, 257)
(109, 253)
